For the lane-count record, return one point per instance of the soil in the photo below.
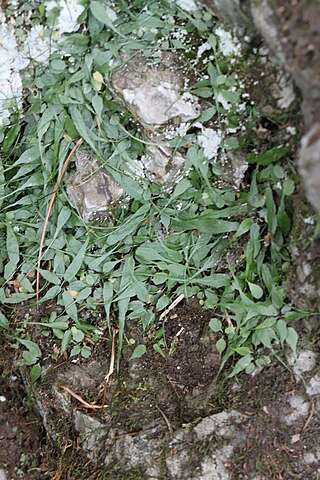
(22, 438)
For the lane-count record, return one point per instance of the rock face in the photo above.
(291, 32)
(155, 450)
(92, 190)
(309, 164)
(125, 443)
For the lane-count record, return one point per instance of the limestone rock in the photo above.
(153, 92)
(309, 165)
(161, 163)
(3, 475)
(92, 190)
(229, 11)
(91, 430)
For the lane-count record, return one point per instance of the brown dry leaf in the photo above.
(295, 438)
(31, 274)
(16, 284)
(267, 239)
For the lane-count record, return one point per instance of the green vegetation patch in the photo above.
(201, 238)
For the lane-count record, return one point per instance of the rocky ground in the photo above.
(165, 418)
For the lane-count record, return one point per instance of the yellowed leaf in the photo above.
(73, 293)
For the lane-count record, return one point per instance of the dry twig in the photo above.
(165, 419)
(80, 399)
(171, 307)
(309, 418)
(111, 367)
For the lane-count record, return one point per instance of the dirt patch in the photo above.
(175, 383)
(280, 428)
(22, 437)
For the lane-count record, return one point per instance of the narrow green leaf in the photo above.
(242, 351)
(292, 339)
(57, 325)
(97, 104)
(70, 306)
(35, 373)
(271, 211)
(244, 227)
(53, 292)
(65, 341)
(104, 14)
(181, 187)
(138, 352)
(3, 321)
(281, 328)
(12, 245)
(63, 217)
(2, 183)
(80, 126)
(298, 315)
(107, 297)
(162, 302)
(268, 322)
(158, 349)
(76, 264)
(129, 226)
(18, 298)
(31, 346)
(50, 277)
(283, 219)
(241, 365)
(160, 278)
(273, 155)
(10, 137)
(277, 296)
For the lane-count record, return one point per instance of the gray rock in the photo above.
(213, 467)
(3, 475)
(91, 430)
(311, 457)
(162, 164)
(223, 425)
(234, 168)
(92, 190)
(177, 463)
(264, 19)
(229, 11)
(139, 450)
(309, 165)
(313, 387)
(299, 409)
(305, 362)
(153, 91)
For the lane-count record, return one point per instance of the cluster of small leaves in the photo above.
(154, 247)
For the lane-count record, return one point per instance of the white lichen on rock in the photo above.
(228, 45)
(210, 140)
(70, 10)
